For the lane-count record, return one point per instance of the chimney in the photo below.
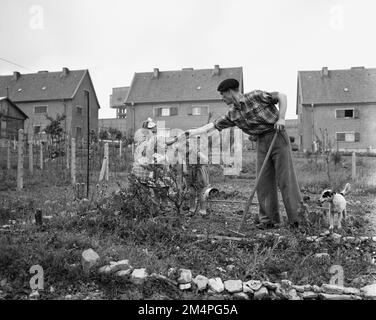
(155, 73)
(65, 72)
(357, 68)
(324, 72)
(216, 70)
(16, 75)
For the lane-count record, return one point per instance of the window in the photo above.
(36, 129)
(347, 113)
(198, 110)
(348, 136)
(165, 111)
(79, 109)
(40, 109)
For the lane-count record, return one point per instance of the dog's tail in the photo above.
(346, 189)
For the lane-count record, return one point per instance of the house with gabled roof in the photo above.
(183, 99)
(12, 118)
(338, 106)
(51, 93)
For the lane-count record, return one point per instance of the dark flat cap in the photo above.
(228, 84)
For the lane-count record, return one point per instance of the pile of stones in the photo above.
(232, 289)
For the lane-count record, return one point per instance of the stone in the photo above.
(293, 295)
(120, 265)
(363, 239)
(369, 291)
(254, 285)
(332, 289)
(201, 282)
(124, 273)
(322, 256)
(309, 295)
(286, 284)
(34, 295)
(68, 297)
(216, 285)
(316, 289)
(354, 291)
(240, 296)
(261, 294)
(374, 239)
(52, 289)
(299, 288)
(105, 270)
(311, 239)
(89, 259)
(185, 286)
(233, 286)
(325, 233)
(185, 276)
(138, 276)
(270, 285)
(307, 287)
(326, 296)
(320, 239)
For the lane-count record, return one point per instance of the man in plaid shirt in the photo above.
(257, 115)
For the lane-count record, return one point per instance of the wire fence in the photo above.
(51, 160)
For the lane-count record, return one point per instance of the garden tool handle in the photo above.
(250, 199)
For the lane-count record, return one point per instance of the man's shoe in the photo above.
(265, 225)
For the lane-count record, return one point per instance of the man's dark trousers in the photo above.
(279, 170)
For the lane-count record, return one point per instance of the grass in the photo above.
(119, 227)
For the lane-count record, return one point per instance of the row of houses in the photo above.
(334, 108)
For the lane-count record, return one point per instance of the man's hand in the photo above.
(280, 125)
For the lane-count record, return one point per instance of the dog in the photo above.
(337, 204)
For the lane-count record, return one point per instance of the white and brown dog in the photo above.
(337, 204)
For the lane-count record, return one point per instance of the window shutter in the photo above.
(357, 136)
(173, 111)
(356, 113)
(157, 112)
(340, 113)
(190, 110)
(340, 136)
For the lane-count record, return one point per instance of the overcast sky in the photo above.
(270, 39)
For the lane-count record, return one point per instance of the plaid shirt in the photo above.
(255, 115)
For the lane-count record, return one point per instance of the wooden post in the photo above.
(20, 161)
(67, 150)
(105, 164)
(120, 146)
(106, 154)
(353, 166)
(8, 155)
(73, 160)
(41, 156)
(31, 164)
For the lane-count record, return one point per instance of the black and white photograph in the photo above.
(194, 157)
